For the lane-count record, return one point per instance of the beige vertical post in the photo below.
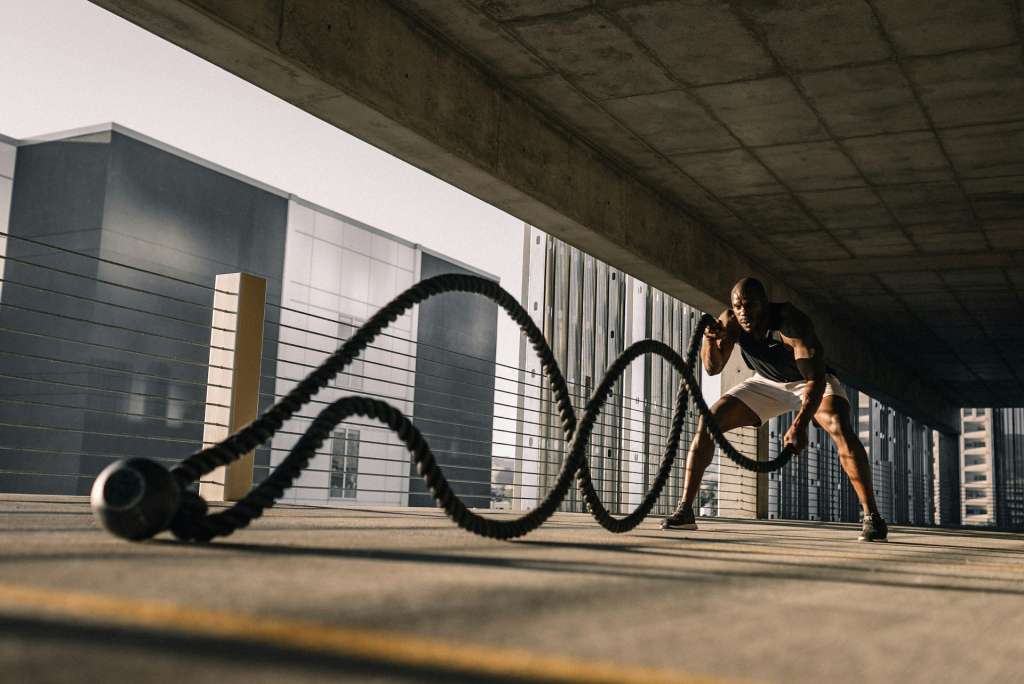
(233, 385)
(738, 487)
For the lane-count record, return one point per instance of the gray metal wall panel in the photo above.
(129, 202)
(455, 409)
(58, 197)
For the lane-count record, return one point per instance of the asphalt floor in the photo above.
(402, 595)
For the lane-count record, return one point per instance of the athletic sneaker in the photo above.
(682, 519)
(875, 529)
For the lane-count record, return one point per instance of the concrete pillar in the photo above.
(233, 384)
(947, 479)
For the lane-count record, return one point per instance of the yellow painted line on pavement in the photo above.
(379, 646)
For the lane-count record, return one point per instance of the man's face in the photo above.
(749, 310)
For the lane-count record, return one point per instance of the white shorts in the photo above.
(769, 399)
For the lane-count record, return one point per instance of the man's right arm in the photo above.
(718, 344)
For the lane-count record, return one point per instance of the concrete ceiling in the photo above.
(870, 153)
(865, 157)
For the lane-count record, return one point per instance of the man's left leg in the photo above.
(833, 416)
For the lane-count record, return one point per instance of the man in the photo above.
(778, 342)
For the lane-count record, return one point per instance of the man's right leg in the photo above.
(730, 413)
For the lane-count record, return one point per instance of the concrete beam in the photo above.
(905, 264)
(377, 73)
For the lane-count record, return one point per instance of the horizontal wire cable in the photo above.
(97, 345)
(581, 397)
(113, 326)
(123, 307)
(93, 388)
(625, 405)
(111, 283)
(101, 260)
(611, 427)
(266, 339)
(125, 414)
(392, 336)
(92, 454)
(358, 458)
(58, 428)
(112, 369)
(270, 422)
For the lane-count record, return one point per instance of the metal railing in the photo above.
(101, 360)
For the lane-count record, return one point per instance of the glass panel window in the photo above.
(352, 376)
(344, 463)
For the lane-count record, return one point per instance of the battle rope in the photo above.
(136, 498)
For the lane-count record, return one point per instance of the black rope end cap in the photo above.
(135, 498)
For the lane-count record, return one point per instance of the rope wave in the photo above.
(192, 522)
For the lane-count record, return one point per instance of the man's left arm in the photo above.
(798, 332)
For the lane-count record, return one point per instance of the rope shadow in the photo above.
(628, 570)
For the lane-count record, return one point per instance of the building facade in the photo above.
(8, 153)
(901, 453)
(992, 467)
(977, 469)
(1008, 446)
(946, 464)
(590, 312)
(814, 485)
(105, 314)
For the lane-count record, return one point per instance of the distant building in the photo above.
(589, 313)
(946, 464)
(101, 361)
(992, 447)
(8, 152)
(977, 467)
(1008, 447)
(814, 485)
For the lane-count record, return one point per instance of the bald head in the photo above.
(749, 304)
(750, 288)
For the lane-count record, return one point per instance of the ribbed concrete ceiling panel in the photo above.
(870, 153)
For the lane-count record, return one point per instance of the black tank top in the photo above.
(770, 357)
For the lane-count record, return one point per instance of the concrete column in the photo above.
(947, 479)
(233, 384)
(738, 488)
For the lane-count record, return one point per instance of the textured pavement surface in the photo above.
(769, 601)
